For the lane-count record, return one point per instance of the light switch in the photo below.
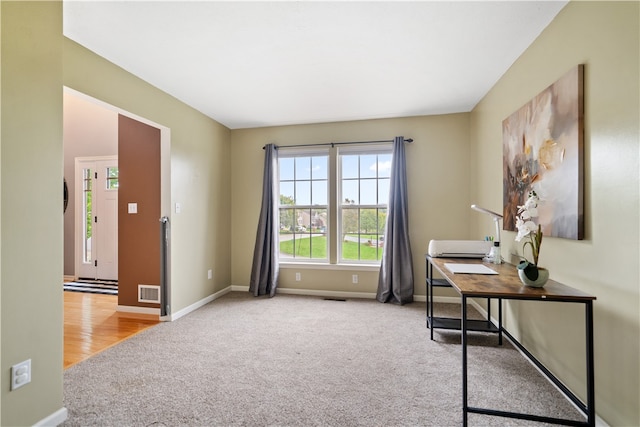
(133, 208)
(178, 208)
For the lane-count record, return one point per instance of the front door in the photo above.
(97, 218)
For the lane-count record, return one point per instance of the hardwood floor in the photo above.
(92, 324)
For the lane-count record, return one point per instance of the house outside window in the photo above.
(333, 204)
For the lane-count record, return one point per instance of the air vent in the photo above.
(149, 293)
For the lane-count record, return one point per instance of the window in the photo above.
(87, 207)
(363, 205)
(333, 214)
(112, 178)
(303, 206)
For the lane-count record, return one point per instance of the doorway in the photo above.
(96, 201)
(96, 131)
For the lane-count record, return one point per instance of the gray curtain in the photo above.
(395, 283)
(265, 268)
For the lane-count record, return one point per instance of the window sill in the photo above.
(317, 266)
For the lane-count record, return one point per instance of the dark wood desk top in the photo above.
(506, 284)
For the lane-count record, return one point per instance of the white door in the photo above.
(97, 218)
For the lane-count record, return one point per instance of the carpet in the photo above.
(108, 287)
(304, 361)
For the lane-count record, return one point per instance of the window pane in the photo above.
(350, 248)
(368, 166)
(319, 189)
(349, 167)
(350, 192)
(302, 221)
(319, 167)
(382, 220)
(303, 192)
(287, 245)
(318, 221)
(87, 207)
(384, 165)
(112, 178)
(112, 172)
(286, 193)
(286, 168)
(303, 167)
(383, 191)
(286, 221)
(368, 193)
(369, 221)
(349, 221)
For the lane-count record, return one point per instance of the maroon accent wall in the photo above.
(138, 234)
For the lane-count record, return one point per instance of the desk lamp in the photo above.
(494, 255)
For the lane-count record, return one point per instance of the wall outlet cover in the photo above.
(20, 374)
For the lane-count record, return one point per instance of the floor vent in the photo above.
(334, 299)
(149, 293)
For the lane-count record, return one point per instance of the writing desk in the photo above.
(506, 285)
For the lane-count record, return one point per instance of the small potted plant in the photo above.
(531, 274)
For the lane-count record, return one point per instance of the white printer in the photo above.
(459, 248)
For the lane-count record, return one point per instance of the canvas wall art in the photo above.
(543, 151)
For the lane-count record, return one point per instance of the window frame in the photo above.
(368, 150)
(334, 259)
(294, 153)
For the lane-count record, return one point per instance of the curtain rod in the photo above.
(332, 144)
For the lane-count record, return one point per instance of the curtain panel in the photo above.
(395, 282)
(265, 268)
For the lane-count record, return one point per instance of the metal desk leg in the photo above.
(591, 394)
(426, 308)
(499, 321)
(463, 323)
(430, 298)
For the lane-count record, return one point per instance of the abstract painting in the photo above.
(542, 147)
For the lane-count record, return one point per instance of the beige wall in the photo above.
(438, 181)
(31, 215)
(605, 37)
(200, 169)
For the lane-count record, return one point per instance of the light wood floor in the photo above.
(92, 324)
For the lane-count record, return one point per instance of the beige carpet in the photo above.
(303, 361)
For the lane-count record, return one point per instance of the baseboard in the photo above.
(343, 294)
(138, 310)
(329, 294)
(196, 305)
(480, 309)
(54, 419)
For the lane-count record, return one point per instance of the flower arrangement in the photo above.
(528, 228)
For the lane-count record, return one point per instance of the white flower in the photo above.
(530, 207)
(526, 227)
(530, 213)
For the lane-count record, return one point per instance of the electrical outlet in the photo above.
(210, 274)
(354, 278)
(20, 374)
(298, 277)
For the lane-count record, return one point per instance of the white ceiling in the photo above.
(252, 64)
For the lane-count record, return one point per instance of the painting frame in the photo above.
(543, 151)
